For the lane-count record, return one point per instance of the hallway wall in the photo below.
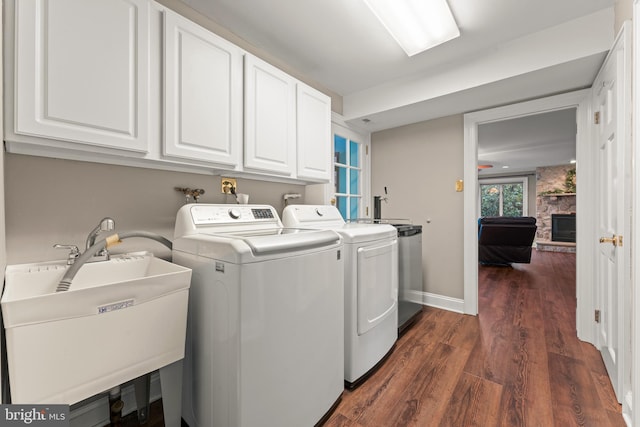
(420, 164)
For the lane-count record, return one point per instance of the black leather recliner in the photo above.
(504, 240)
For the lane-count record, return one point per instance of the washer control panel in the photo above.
(225, 214)
(262, 213)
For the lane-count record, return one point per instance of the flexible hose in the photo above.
(112, 240)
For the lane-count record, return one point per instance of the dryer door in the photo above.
(377, 287)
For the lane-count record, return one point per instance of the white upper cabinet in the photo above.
(313, 134)
(132, 82)
(202, 94)
(81, 72)
(269, 114)
(287, 124)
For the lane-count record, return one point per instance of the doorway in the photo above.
(524, 165)
(575, 100)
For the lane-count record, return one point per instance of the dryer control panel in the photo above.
(323, 216)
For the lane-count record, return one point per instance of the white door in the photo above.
(377, 284)
(202, 94)
(82, 71)
(610, 105)
(269, 118)
(313, 126)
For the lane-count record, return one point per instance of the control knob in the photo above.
(234, 213)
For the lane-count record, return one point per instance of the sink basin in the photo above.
(120, 319)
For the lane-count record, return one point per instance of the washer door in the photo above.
(377, 285)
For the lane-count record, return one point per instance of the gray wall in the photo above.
(419, 164)
(52, 201)
(623, 10)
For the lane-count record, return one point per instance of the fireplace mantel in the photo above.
(557, 195)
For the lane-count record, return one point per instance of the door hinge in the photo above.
(597, 316)
(366, 150)
(367, 211)
(596, 118)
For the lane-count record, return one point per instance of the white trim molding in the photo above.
(633, 418)
(435, 300)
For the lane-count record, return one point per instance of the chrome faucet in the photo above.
(74, 252)
(106, 224)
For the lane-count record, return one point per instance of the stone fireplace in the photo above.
(553, 198)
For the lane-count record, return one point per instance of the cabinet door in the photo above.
(270, 128)
(203, 94)
(81, 71)
(313, 134)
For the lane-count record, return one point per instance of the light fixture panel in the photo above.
(417, 25)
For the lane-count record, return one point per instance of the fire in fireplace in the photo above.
(563, 227)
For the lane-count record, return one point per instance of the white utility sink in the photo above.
(119, 320)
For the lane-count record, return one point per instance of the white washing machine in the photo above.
(265, 326)
(370, 284)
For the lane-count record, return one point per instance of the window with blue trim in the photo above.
(347, 176)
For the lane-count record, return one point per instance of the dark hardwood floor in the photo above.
(518, 363)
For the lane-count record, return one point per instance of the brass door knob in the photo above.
(615, 240)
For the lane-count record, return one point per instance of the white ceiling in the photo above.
(522, 144)
(341, 46)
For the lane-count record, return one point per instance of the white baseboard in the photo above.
(435, 300)
(96, 412)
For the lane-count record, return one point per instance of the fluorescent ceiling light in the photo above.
(417, 25)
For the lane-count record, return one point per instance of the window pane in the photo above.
(354, 207)
(354, 153)
(512, 201)
(341, 179)
(490, 200)
(354, 182)
(341, 204)
(340, 149)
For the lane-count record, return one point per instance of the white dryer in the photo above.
(265, 325)
(370, 285)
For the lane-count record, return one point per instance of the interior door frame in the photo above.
(585, 200)
(634, 417)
